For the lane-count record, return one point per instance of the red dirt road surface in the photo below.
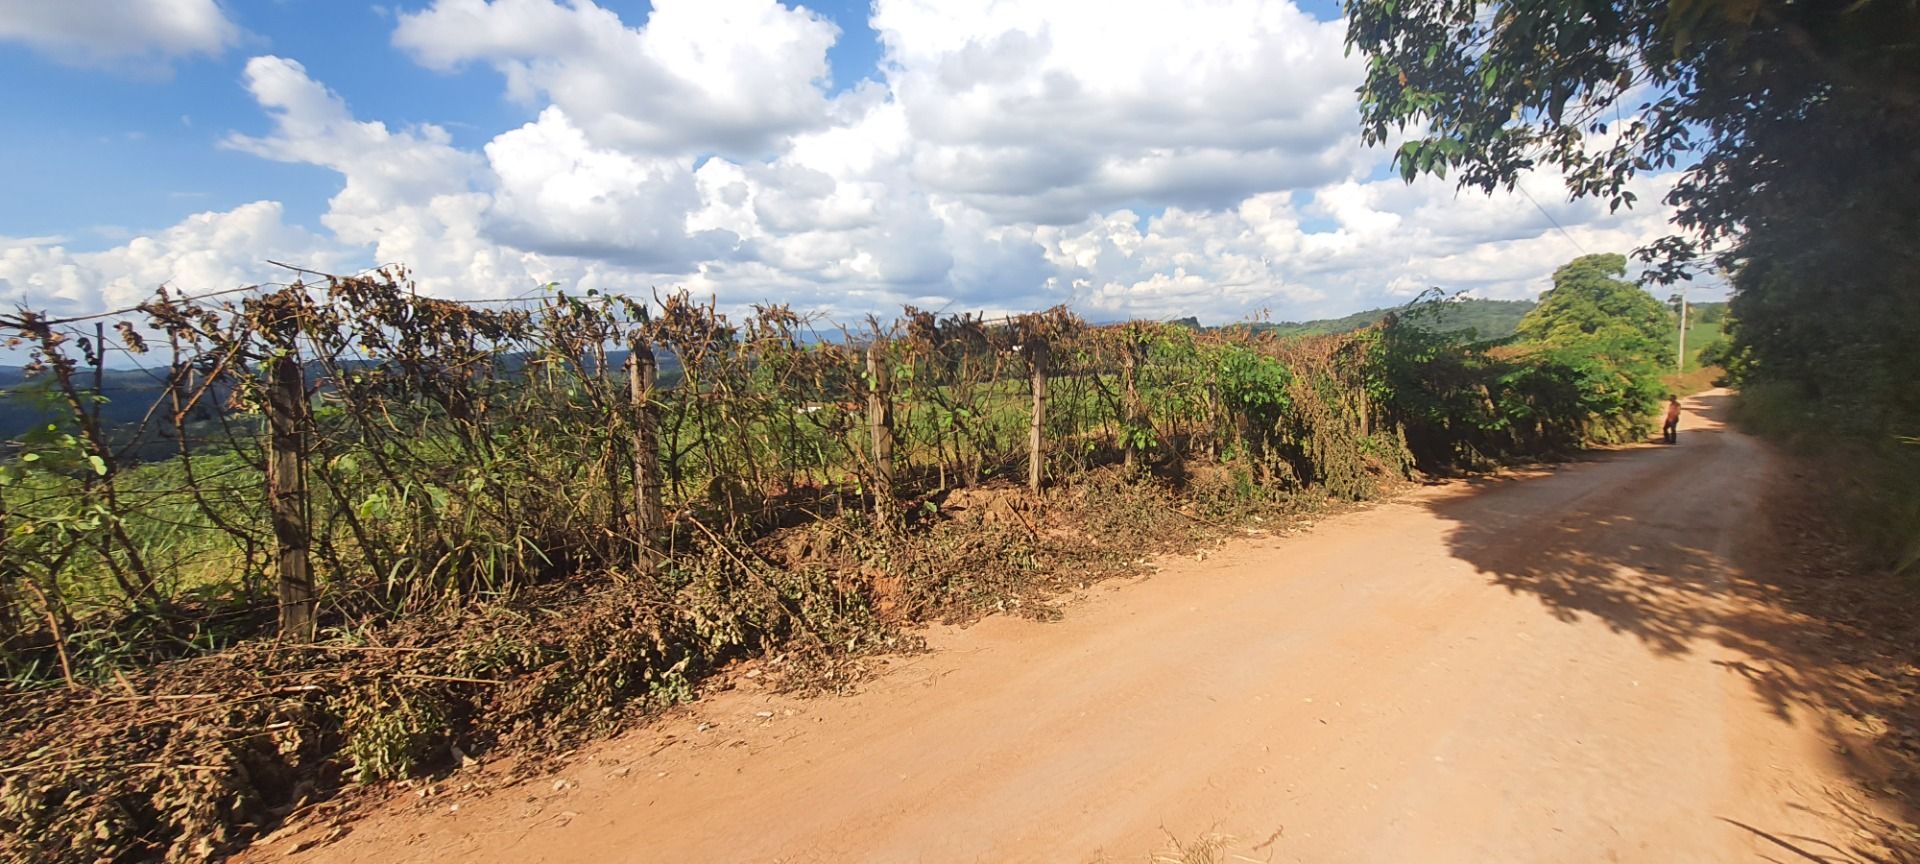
(1558, 666)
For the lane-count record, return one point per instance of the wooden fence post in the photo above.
(650, 517)
(880, 425)
(287, 419)
(1038, 355)
(1366, 410)
(1215, 437)
(1134, 408)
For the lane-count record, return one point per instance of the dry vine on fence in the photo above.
(504, 521)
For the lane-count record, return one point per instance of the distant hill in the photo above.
(131, 393)
(1497, 319)
(1488, 319)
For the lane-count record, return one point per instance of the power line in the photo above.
(1550, 219)
(192, 298)
(91, 316)
(130, 309)
(530, 295)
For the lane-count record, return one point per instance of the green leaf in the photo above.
(99, 465)
(373, 507)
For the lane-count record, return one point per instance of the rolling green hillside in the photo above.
(1705, 322)
(1488, 319)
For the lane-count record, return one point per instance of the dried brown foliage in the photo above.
(516, 543)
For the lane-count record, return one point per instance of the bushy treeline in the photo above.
(1826, 311)
(1821, 348)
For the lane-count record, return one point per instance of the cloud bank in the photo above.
(1195, 157)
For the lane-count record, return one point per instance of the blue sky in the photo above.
(1192, 157)
(130, 149)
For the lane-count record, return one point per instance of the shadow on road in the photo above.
(1711, 543)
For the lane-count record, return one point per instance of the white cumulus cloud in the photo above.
(382, 167)
(204, 252)
(1351, 245)
(408, 194)
(1049, 110)
(555, 192)
(92, 32)
(541, 203)
(700, 75)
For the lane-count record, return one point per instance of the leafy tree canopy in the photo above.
(1590, 304)
(1605, 90)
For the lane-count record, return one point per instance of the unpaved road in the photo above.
(1547, 667)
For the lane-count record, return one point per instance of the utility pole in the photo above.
(1680, 356)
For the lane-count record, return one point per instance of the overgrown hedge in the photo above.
(483, 584)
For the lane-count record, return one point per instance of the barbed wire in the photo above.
(194, 298)
(533, 294)
(94, 316)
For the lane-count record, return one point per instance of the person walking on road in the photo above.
(1670, 430)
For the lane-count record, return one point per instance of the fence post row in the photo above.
(287, 418)
(649, 516)
(880, 424)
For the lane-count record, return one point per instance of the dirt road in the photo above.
(1548, 667)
